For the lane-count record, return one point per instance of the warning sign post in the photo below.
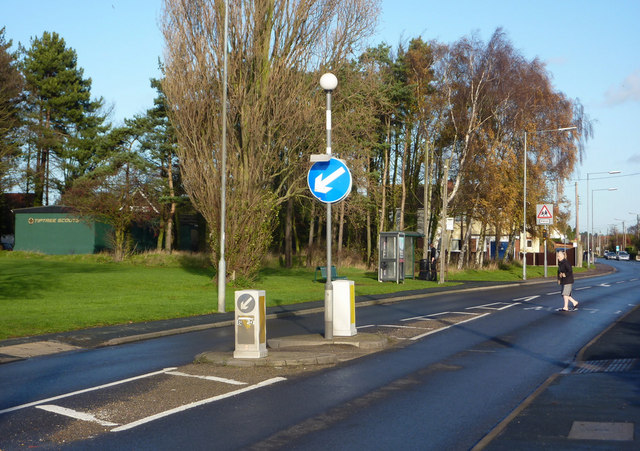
(544, 214)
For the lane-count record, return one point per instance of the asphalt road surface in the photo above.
(446, 390)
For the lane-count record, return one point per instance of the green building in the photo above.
(57, 230)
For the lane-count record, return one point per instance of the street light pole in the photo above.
(524, 201)
(328, 82)
(592, 210)
(222, 267)
(588, 229)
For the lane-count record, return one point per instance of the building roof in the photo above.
(45, 209)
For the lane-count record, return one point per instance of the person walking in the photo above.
(565, 279)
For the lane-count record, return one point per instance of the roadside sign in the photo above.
(329, 181)
(544, 214)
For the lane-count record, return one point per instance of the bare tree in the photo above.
(275, 120)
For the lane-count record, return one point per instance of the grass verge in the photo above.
(42, 294)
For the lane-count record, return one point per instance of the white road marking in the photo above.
(417, 337)
(166, 413)
(75, 414)
(208, 378)
(582, 288)
(434, 315)
(527, 299)
(505, 305)
(86, 390)
(554, 293)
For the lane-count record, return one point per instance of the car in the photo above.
(622, 255)
(610, 255)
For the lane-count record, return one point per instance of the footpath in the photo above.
(593, 404)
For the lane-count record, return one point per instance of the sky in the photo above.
(590, 48)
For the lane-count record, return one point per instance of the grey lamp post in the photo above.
(328, 82)
(592, 210)
(524, 201)
(588, 235)
(222, 267)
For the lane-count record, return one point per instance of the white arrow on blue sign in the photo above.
(329, 181)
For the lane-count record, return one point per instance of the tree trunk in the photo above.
(312, 223)
(288, 249)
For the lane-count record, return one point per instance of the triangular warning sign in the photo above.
(544, 213)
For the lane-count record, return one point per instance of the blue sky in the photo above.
(590, 47)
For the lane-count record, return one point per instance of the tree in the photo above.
(11, 83)
(62, 118)
(277, 49)
(117, 193)
(157, 144)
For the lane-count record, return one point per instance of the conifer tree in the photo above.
(64, 122)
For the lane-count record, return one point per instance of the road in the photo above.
(444, 391)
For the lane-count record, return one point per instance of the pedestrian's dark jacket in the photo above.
(565, 267)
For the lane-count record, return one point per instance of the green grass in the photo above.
(42, 294)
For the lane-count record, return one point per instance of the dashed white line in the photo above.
(75, 414)
(166, 413)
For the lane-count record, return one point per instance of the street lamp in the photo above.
(588, 236)
(328, 82)
(624, 234)
(222, 266)
(524, 196)
(592, 210)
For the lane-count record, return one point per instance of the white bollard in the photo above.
(344, 308)
(251, 327)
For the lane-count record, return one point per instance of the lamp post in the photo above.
(588, 236)
(624, 234)
(592, 210)
(328, 82)
(524, 196)
(222, 267)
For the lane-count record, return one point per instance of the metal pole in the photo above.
(222, 267)
(588, 229)
(328, 287)
(443, 248)
(524, 214)
(546, 232)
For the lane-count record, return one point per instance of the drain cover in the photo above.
(589, 430)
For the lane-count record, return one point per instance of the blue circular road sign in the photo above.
(329, 181)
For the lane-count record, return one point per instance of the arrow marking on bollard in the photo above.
(322, 186)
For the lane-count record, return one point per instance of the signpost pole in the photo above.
(328, 82)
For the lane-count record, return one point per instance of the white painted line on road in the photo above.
(207, 378)
(166, 413)
(86, 390)
(417, 337)
(634, 279)
(400, 327)
(505, 305)
(527, 298)
(434, 315)
(75, 414)
(364, 327)
(554, 293)
(620, 281)
(582, 288)
(605, 285)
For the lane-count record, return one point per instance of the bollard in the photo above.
(251, 327)
(344, 308)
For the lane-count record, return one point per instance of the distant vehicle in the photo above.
(610, 255)
(622, 255)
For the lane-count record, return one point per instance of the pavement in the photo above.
(593, 404)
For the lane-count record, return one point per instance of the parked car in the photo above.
(622, 255)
